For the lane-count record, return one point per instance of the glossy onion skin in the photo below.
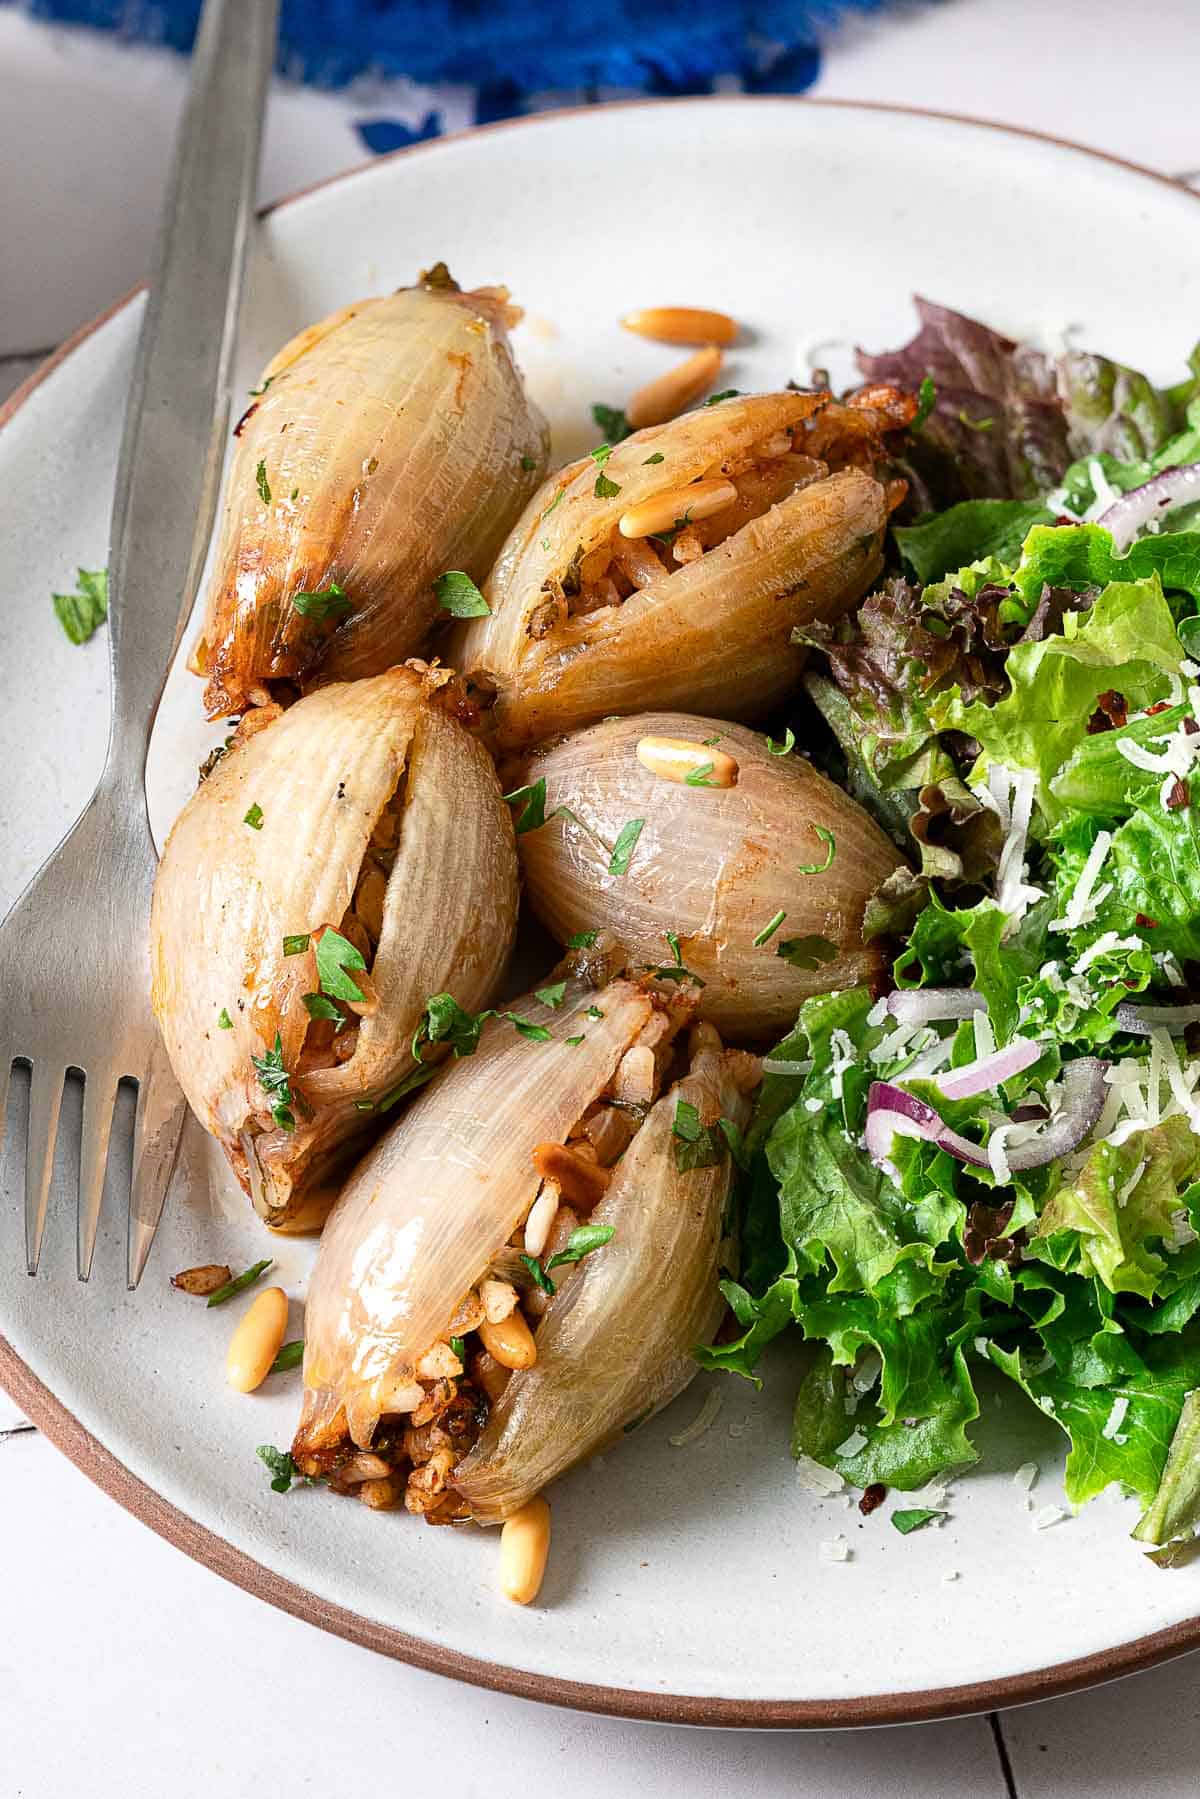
(425, 1213)
(391, 439)
(713, 635)
(712, 864)
(616, 1341)
(226, 896)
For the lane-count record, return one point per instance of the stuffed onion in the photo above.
(673, 569)
(332, 870)
(389, 443)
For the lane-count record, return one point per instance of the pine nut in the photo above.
(580, 1182)
(699, 500)
(541, 1218)
(257, 1341)
(524, 1546)
(364, 1466)
(381, 1495)
(439, 1363)
(634, 1079)
(675, 758)
(401, 1395)
(663, 398)
(682, 325)
(703, 1036)
(510, 1342)
(499, 1300)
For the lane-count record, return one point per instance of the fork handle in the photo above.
(169, 469)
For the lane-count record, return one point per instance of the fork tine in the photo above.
(99, 1097)
(5, 1079)
(45, 1102)
(161, 1110)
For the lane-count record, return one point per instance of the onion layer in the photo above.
(1152, 500)
(714, 866)
(892, 1112)
(228, 895)
(617, 1343)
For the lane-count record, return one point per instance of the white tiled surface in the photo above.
(124, 1668)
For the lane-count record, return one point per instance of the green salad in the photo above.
(993, 1155)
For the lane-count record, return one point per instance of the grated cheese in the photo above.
(1107, 940)
(1082, 907)
(1049, 1514)
(1025, 1476)
(996, 1155)
(836, 1550)
(854, 1442)
(1116, 1417)
(1014, 895)
(703, 1420)
(815, 1477)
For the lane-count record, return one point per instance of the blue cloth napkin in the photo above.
(511, 49)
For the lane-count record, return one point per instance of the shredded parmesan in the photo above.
(1014, 895)
(1116, 1417)
(703, 1420)
(815, 1477)
(1025, 1476)
(1049, 1514)
(996, 1155)
(854, 1442)
(1107, 940)
(1081, 908)
(836, 1550)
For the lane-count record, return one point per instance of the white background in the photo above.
(124, 1668)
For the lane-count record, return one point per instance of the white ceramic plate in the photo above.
(685, 1583)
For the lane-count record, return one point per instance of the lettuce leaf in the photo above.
(1009, 420)
(973, 530)
(1127, 640)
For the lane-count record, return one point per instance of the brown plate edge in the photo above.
(90, 1456)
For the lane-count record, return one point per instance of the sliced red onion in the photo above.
(990, 1071)
(922, 1005)
(892, 1112)
(1139, 1021)
(1154, 499)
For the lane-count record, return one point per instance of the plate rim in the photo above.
(72, 1438)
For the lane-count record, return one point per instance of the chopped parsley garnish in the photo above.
(676, 952)
(553, 995)
(224, 1021)
(696, 1145)
(926, 401)
(593, 1012)
(290, 1356)
(256, 392)
(254, 818)
(445, 1021)
(296, 946)
(554, 502)
(83, 612)
(458, 595)
(327, 603)
(769, 930)
(528, 463)
(580, 1243)
(275, 1082)
(657, 457)
(711, 742)
(606, 489)
(280, 1466)
(458, 1347)
(540, 1277)
(730, 393)
(698, 777)
(317, 1006)
(532, 801)
(334, 956)
(240, 1282)
(818, 868)
(914, 1519)
(807, 952)
(601, 454)
(535, 1033)
(263, 485)
(611, 421)
(623, 848)
(975, 424)
(572, 1041)
(786, 747)
(582, 939)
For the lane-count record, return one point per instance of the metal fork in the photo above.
(74, 950)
